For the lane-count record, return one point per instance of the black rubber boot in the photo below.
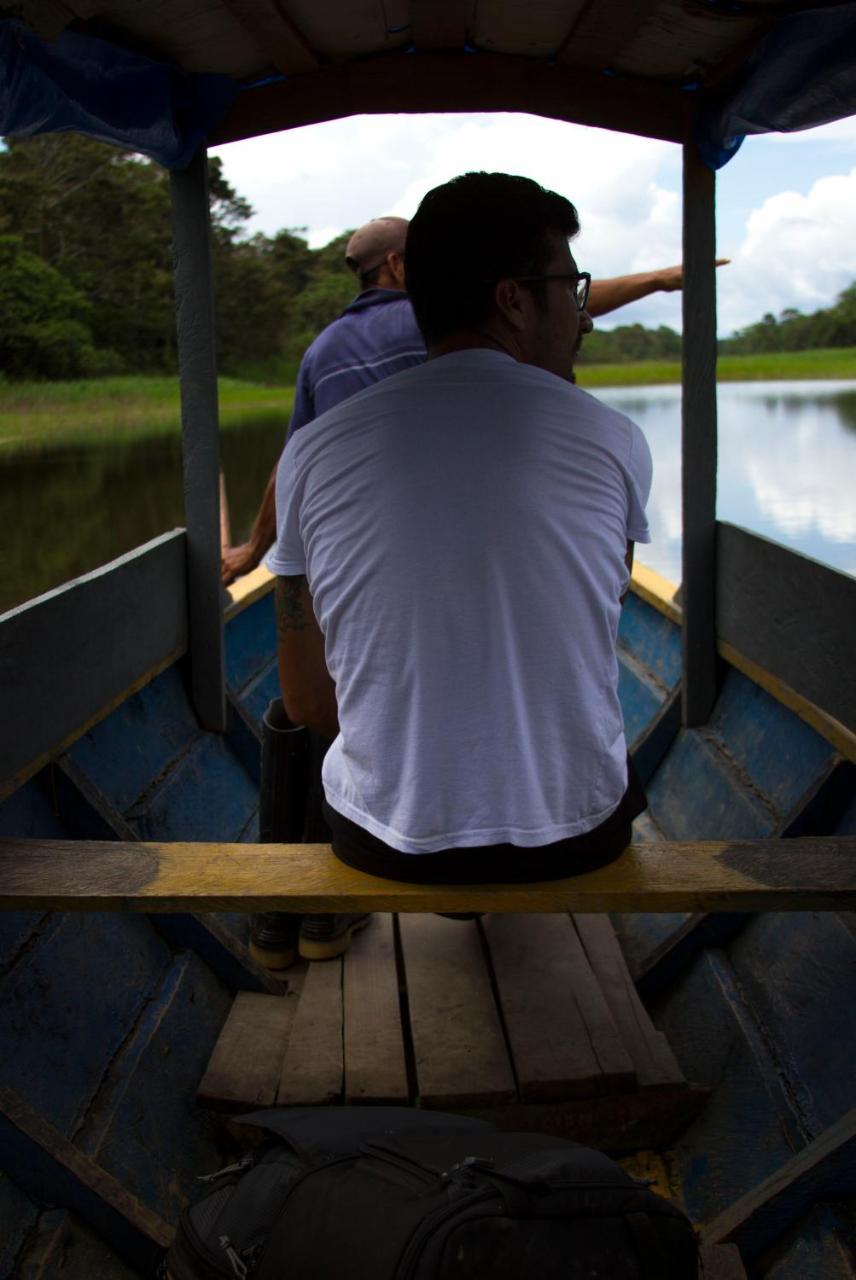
(285, 782)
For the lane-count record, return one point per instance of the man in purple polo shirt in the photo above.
(377, 335)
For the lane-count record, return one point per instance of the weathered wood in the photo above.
(60, 673)
(439, 24)
(791, 615)
(823, 1170)
(599, 33)
(563, 1039)
(722, 1262)
(467, 82)
(448, 985)
(46, 1165)
(659, 593)
(276, 35)
(247, 1060)
(653, 1060)
(818, 813)
(648, 1119)
(375, 1069)
(200, 446)
(652, 745)
(312, 1070)
(816, 874)
(698, 440)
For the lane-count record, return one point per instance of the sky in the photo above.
(785, 202)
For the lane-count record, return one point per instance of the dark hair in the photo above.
(470, 233)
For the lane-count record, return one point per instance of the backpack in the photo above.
(389, 1193)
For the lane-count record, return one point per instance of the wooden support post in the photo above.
(194, 299)
(699, 441)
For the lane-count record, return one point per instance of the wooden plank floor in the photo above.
(532, 1021)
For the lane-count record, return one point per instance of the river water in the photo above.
(787, 466)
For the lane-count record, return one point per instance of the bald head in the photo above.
(375, 252)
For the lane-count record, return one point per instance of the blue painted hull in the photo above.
(108, 1020)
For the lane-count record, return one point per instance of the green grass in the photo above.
(34, 415)
(839, 362)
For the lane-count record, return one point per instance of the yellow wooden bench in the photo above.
(806, 874)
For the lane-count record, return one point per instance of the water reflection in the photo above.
(786, 465)
(67, 511)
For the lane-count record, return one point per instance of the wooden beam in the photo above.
(746, 875)
(699, 445)
(434, 81)
(823, 1170)
(70, 656)
(194, 300)
(43, 1163)
(276, 35)
(791, 615)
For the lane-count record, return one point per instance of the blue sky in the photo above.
(785, 205)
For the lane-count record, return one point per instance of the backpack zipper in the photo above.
(409, 1259)
(246, 1162)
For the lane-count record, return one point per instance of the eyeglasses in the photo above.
(581, 279)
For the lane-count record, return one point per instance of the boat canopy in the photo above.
(161, 79)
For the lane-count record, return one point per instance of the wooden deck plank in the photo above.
(312, 1070)
(806, 874)
(449, 990)
(722, 1262)
(247, 1060)
(563, 1038)
(375, 1069)
(649, 1049)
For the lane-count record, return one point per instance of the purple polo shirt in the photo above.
(376, 335)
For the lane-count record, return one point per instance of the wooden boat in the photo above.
(132, 704)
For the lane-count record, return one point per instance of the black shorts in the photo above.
(492, 863)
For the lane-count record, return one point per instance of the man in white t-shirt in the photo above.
(453, 546)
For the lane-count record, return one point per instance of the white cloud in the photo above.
(337, 175)
(795, 248)
(799, 251)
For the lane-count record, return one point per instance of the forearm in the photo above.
(263, 532)
(244, 557)
(617, 291)
(308, 690)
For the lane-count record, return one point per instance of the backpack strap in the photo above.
(654, 1263)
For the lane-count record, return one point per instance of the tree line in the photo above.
(86, 277)
(86, 269)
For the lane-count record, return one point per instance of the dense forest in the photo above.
(86, 276)
(86, 281)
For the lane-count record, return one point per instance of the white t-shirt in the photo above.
(463, 528)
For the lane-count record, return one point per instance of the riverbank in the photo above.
(39, 415)
(775, 366)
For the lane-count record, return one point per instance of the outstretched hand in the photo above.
(672, 278)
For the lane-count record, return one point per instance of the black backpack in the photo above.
(389, 1193)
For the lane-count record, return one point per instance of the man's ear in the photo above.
(514, 303)
(395, 265)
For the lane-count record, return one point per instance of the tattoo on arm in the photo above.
(290, 614)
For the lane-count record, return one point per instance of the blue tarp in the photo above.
(802, 74)
(83, 84)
